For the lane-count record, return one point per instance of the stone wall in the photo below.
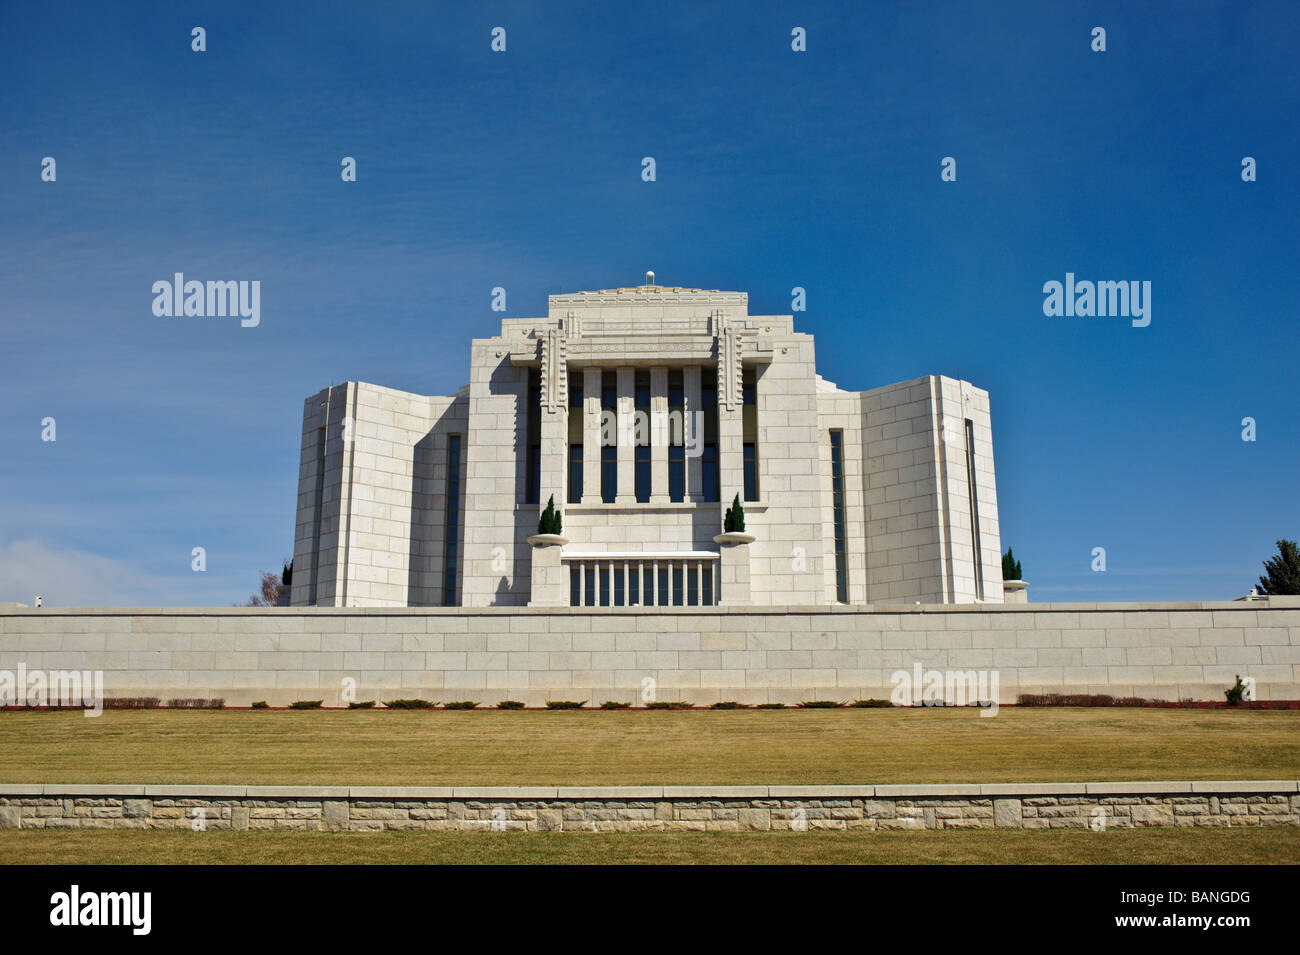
(384, 506)
(701, 655)
(655, 808)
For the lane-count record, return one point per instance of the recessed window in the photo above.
(837, 509)
(643, 473)
(533, 466)
(676, 473)
(709, 472)
(608, 474)
(751, 471)
(451, 540)
(974, 509)
(575, 474)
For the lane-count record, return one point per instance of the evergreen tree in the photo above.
(1283, 571)
(550, 522)
(734, 520)
(1010, 567)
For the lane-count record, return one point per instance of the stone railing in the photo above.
(642, 580)
(1097, 805)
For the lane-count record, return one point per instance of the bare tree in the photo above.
(268, 594)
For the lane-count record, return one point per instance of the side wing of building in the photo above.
(380, 490)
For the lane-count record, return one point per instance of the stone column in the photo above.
(731, 453)
(626, 403)
(659, 435)
(550, 588)
(693, 412)
(591, 435)
(733, 569)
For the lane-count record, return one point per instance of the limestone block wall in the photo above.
(787, 559)
(842, 411)
(919, 543)
(970, 575)
(1104, 805)
(701, 655)
(383, 523)
(497, 562)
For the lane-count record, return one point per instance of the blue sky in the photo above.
(522, 169)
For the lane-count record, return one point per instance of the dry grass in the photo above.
(629, 748)
(1273, 845)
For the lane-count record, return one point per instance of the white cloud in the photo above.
(67, 577)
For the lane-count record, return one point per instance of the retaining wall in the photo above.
(1112, 805)
(704, 655)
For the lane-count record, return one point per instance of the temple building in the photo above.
(643, 414)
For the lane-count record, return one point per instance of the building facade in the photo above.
(643, 413)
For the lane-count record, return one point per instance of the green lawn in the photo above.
(1275, 845)
(638, 747)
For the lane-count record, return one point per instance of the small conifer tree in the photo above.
(550, 522)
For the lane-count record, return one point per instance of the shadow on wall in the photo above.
(428, 541)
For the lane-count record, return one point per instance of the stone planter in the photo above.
(1015, 592)
(734, 537)
(548, 584)
(733, 569)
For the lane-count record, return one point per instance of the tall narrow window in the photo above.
(575, 439)
(451, 547)
(643, 473)
(709, 472)
(641, 455)
(608, 473)
(837, 507)
(575, 474)
(974, 509)
(676, 437)
(533, 470)
(608, 452)
(751, 471)
(676, 473)
(749, 423)
(316, 520)
(709, 405)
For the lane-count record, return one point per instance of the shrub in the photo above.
(196, 703)
(260, 705)
(669, 705)
(550, 521)
(614, 705)
(133, 703)
(409, 704)
(460, 705)
(728, 705)
(565, 704)
(1079, 699)
(1010, 567)
(306, 704)
(734, 519)
(770, 706)
(819, 705)
(1234, 693)
(361, 705)
(510, 705)
(865, 704)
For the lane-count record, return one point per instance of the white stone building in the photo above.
(643, 412)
